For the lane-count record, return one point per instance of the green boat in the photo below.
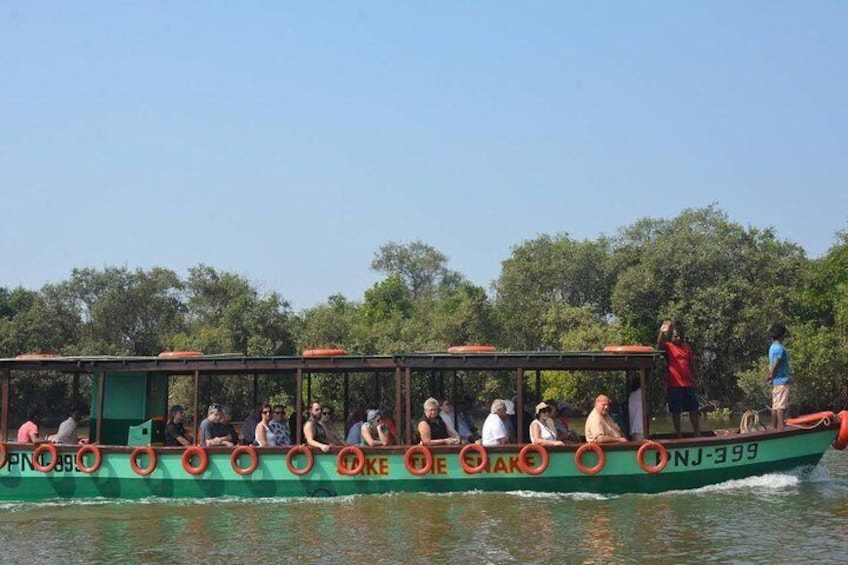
(124, 458)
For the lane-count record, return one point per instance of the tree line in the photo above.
(724, 282)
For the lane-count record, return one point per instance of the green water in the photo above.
(788, 518)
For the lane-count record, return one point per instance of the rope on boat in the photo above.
(750, 422)
(810, 421)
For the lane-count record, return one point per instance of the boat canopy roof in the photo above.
(233, 363)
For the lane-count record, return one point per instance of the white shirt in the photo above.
(448, 420)
(634, 408)
(493, 430)
(67, 432)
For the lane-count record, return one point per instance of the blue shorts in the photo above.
(682, 399)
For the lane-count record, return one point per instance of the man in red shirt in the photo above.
(681, 388)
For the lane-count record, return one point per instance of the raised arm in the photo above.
(383, 432)
(662, 337)
(366, 434)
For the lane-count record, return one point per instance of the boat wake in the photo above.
(772, 482)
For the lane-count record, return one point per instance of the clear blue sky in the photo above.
(287, 141)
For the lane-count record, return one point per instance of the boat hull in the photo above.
(692, 463)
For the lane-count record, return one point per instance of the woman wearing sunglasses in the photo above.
(264, 436)
(329, 424)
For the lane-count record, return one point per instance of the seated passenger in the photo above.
(448, 419)
(432, 428)
(248, 426)
(354, 420)
(328, 416)
(543, 428)
(466, 419)
(511, 422)
(67, 433)
(263, 434)
(207, 432)
(175, 432)
(28, 432)
(494, 429)
(354, 434)
(564, 432)
(453, 421)
(313, 431)
(391, 427)
(374, 431)
(634, 411)
(278, 425)
(600, 427)
(225, 429)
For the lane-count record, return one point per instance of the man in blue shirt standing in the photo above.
(779, 375)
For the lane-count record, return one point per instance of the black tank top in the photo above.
(438, 429)
(320, 434)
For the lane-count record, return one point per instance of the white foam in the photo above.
(769, 482)
(560, 495)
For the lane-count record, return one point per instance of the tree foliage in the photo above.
(545, 274)
(723, 281)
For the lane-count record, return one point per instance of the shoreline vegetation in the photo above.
(723, 282)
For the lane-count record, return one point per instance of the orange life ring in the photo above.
(341, 460)
(473, 469)
(54, 457)
(524, 465)
(841, 441)
(428, 460)
(645, 448)
(152, 460)
(811, 419)
(98, 458)
(324, 352)
(190, 452)
(310, 459)
(167, 354)
(578, 459)
(2, 455)
(25, 356)
(250, 452)
(472, 349)
(629, 349)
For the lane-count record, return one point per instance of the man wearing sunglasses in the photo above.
(279, 426)
(313, 430)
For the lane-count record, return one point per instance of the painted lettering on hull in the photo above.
(498, 465)
(65, 462)
(720, 455)
(376, 466)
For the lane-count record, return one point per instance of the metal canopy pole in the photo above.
(4, 418)
(408, 405)
(298, 405)
(346, 400)
(196, 401)
(519, 406)
(101, 392)
(538, 386)
(397, 402)
(643, 384)
(75, 390)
